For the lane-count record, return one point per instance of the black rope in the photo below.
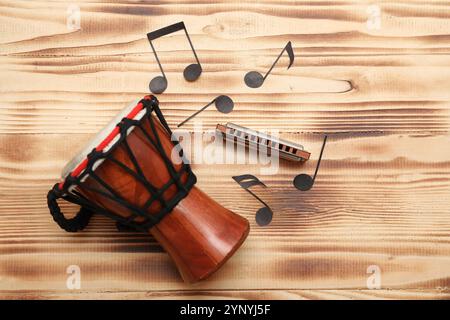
(77, 223)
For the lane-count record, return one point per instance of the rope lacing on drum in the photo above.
(77, 223)
(81, 220)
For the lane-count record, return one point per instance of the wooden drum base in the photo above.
(200, 235)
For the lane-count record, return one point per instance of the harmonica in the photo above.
(254, 139)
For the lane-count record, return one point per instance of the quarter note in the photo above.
(224, 104)
(305, 182)
(264, 215)
(191, 73)
(254, 79)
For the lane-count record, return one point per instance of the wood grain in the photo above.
(346, 78)
(234, 294)
(381, 197)
(388, 206)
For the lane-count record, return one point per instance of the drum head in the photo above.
(101, 136)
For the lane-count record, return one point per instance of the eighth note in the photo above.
(254, 79)
(263, 215)
(304, 182)
(191, 73)
(223, 104)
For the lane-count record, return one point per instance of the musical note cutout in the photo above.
(264, 215)
(191, 73)
(305, 182)
(224, 104)
(254, 79)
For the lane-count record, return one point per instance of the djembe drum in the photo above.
(135, 174)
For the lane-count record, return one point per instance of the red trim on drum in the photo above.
(78, 169)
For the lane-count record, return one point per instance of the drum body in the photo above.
(139, 177)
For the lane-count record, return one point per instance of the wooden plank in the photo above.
(346, 77)
(381, 194)
(82, 101)
(391, 212)
(318, 25)
(234, 294)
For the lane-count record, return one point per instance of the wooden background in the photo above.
(383, 96)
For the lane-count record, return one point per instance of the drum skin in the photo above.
(199, 234)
